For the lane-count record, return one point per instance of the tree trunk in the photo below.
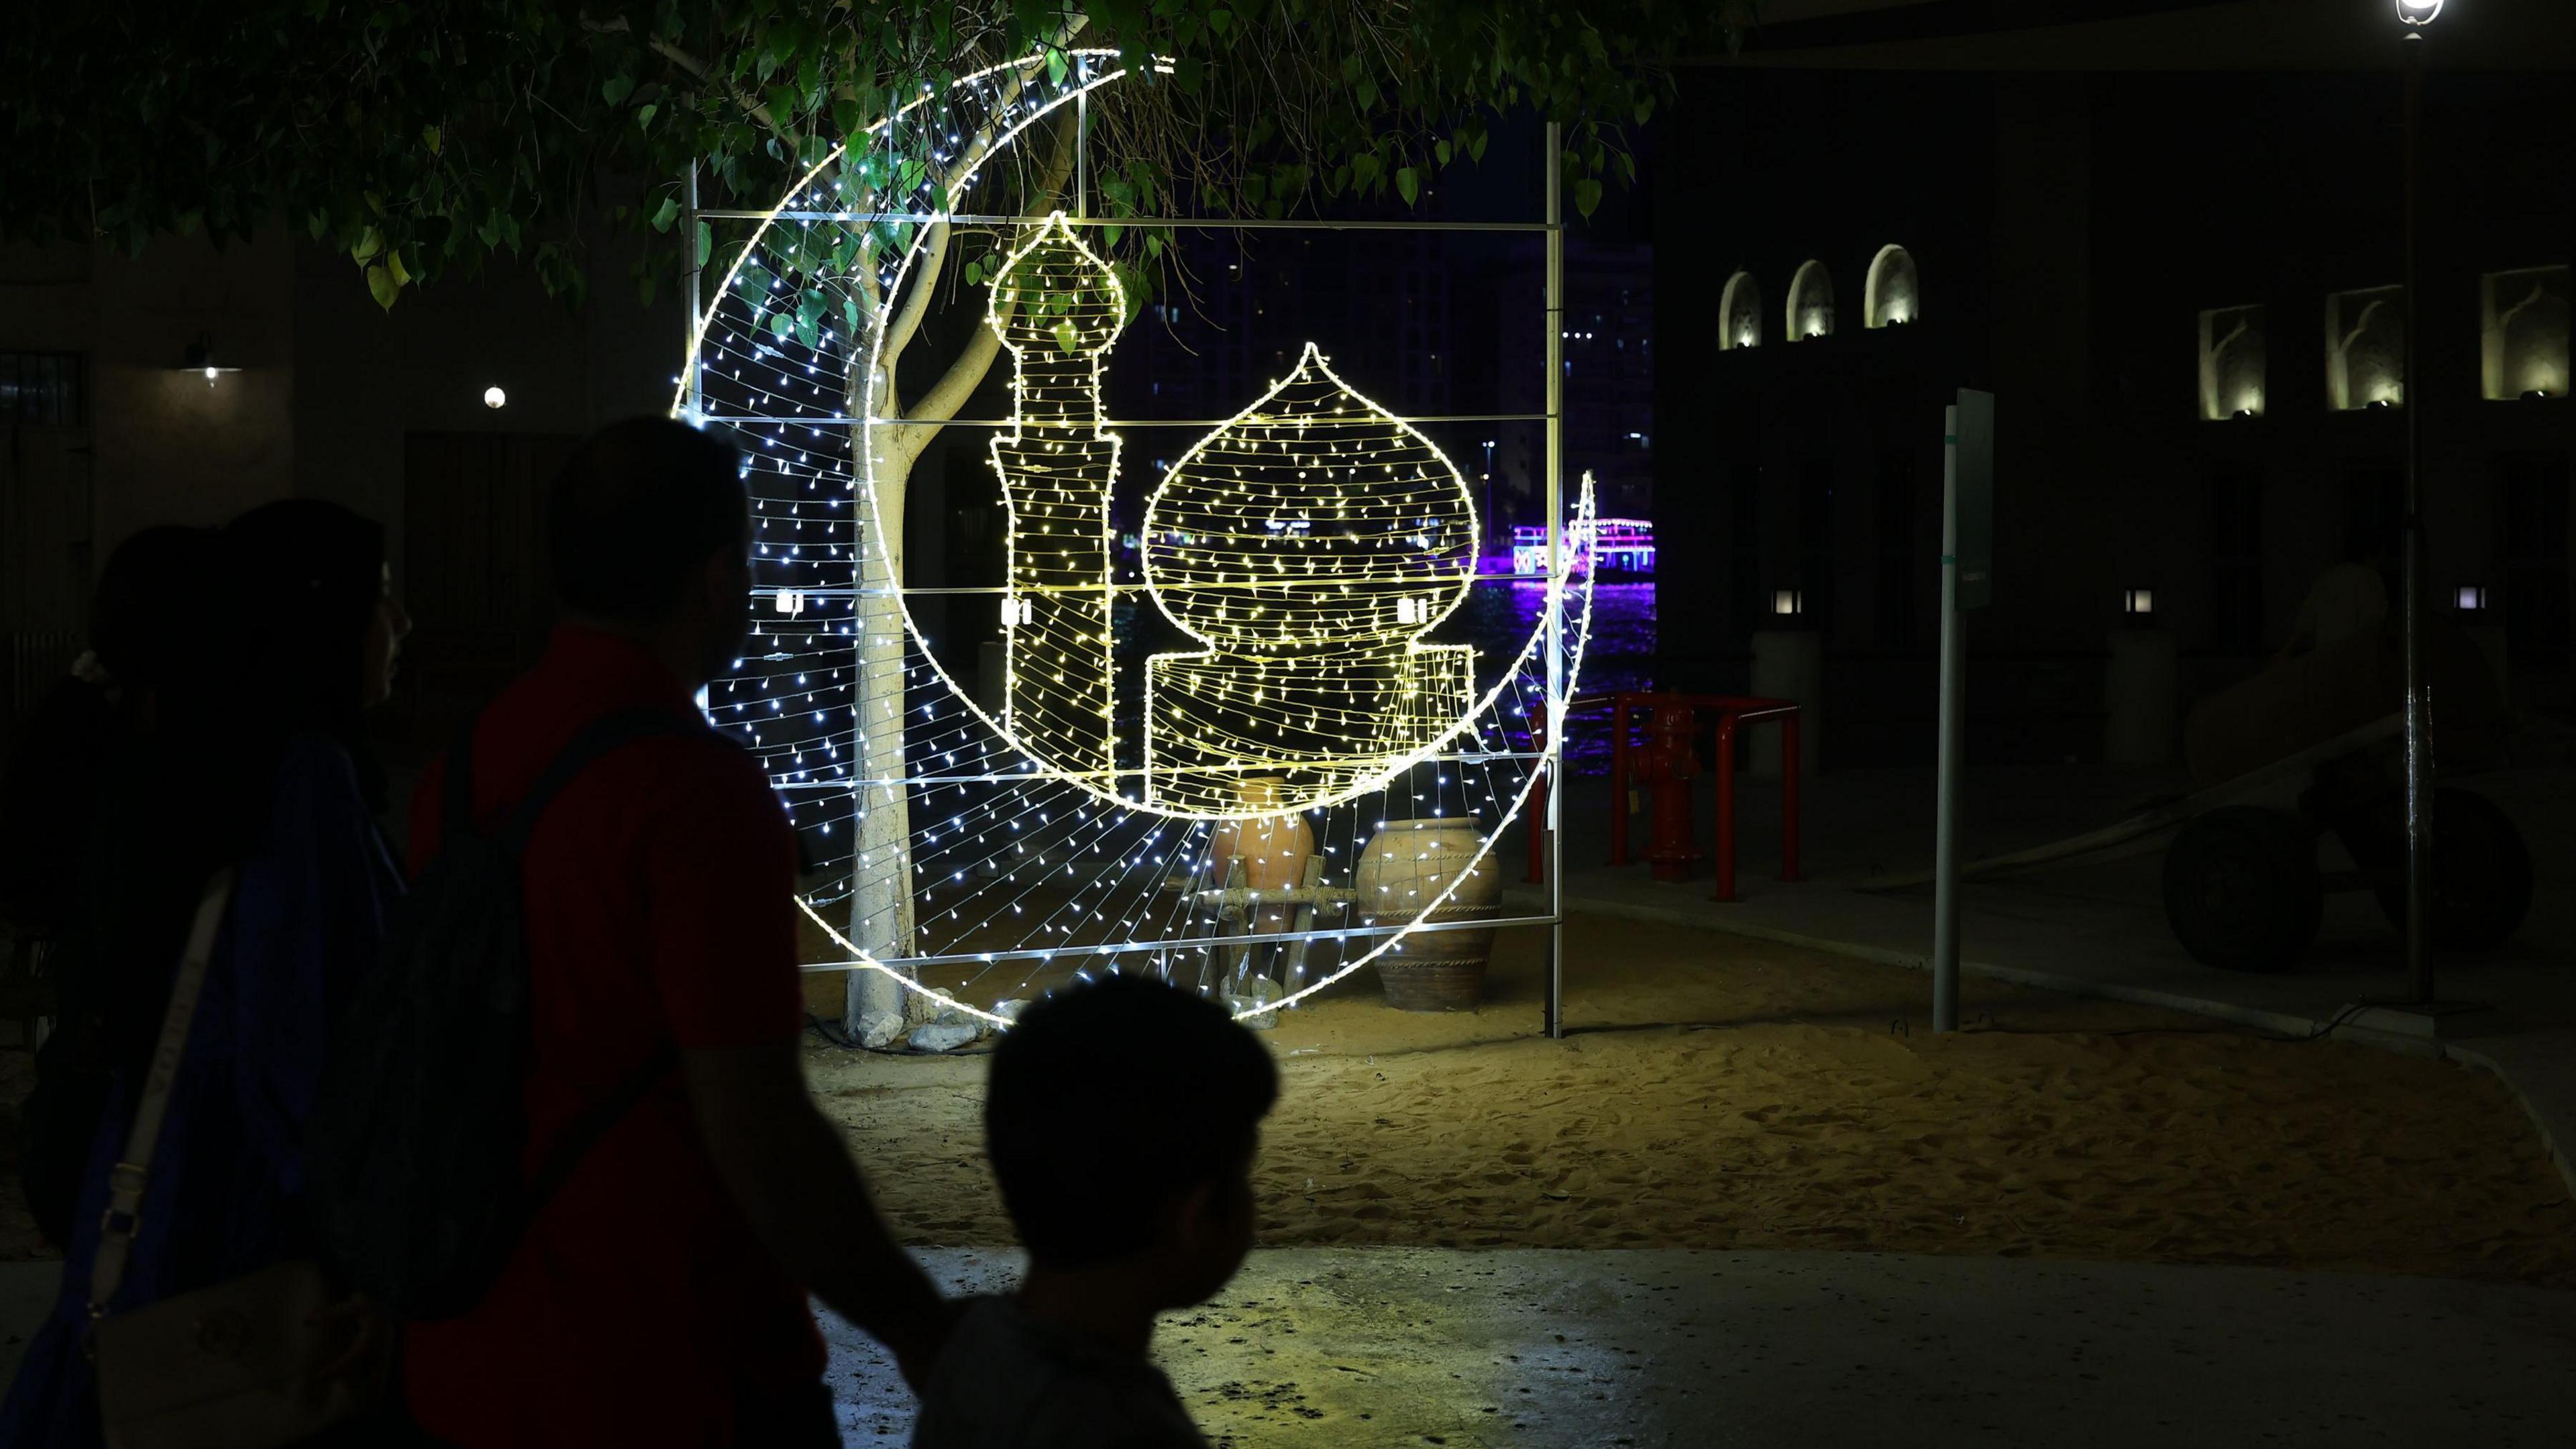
(878, 1009)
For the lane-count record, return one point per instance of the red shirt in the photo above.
(638, 1309)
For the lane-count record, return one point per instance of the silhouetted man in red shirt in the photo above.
(659, 1297)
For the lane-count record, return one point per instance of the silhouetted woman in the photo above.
(280, 786)
(157, 644)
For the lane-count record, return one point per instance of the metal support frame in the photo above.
(2419, 748)
(1555, 474)
(691, 264)
(1945, 830)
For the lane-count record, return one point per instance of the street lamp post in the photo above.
(2413, 16)
(1489, 490)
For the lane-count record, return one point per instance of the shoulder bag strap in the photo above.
(125, 1181)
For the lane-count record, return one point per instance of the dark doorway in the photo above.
(474, 571)
(2534, 513)
(2236, 561)
(1898, 552)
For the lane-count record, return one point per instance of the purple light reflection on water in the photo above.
(1621, 655)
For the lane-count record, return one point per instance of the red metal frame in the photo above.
(1731, 710)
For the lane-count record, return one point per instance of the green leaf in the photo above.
(644, 115)
(667, 213)
(429, 136)
(617, 88)
(1220, 21)
(382, 286)
(394, 264)
(706, 245)
(1406, 185)
(1587, 195)
(1055, 75)
(1440, 152)
(1065, 336)
(369, 243)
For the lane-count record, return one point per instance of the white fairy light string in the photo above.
(1040, 841)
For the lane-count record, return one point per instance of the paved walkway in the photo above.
(2099, 926)
(1366, 1347)
(1362, 1347)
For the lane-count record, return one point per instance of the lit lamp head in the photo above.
(1787, 603)
(2140, 602)
(2416, 14)
(200, 358)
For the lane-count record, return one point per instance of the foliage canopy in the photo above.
(423, 137)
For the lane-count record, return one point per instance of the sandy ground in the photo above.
(1726, 1093)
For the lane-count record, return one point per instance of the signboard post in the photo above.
(1967, 582)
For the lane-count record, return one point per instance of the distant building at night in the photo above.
(1610, 325)
(2178, 285)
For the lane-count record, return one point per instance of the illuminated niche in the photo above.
(2522, 332)
(1310, 542)
(2231, 363)
(2366, 348)
(1891, 295)
(1739, 312)
(1811, 302)
(1058, 307)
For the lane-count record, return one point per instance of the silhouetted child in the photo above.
(1121, 1118)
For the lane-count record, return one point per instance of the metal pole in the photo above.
(1555, 491)
(1945, 829)
(2419, 761)
(691, 264)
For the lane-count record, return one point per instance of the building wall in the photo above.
(2068, 231)
(332, 397)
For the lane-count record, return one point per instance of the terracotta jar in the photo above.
(1407, 864)
(1273, 849)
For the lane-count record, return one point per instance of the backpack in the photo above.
(415, 1143)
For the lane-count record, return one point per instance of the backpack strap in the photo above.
(600, 737)
(456, 792)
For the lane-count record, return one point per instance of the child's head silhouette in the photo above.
(1121, 1117)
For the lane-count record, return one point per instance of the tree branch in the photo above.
(907, 317)
(697, 69)
(967, 371)
(956, 385)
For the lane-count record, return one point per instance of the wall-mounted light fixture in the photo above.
(1787, 602)
(200, 358)
(493, 397)
(2418, 12)
(2472, 598)
(2140, 602)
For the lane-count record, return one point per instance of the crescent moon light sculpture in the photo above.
(981, 844)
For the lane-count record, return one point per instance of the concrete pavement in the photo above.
(1391, 1346)
(1363, 1347)
(2097, 926)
